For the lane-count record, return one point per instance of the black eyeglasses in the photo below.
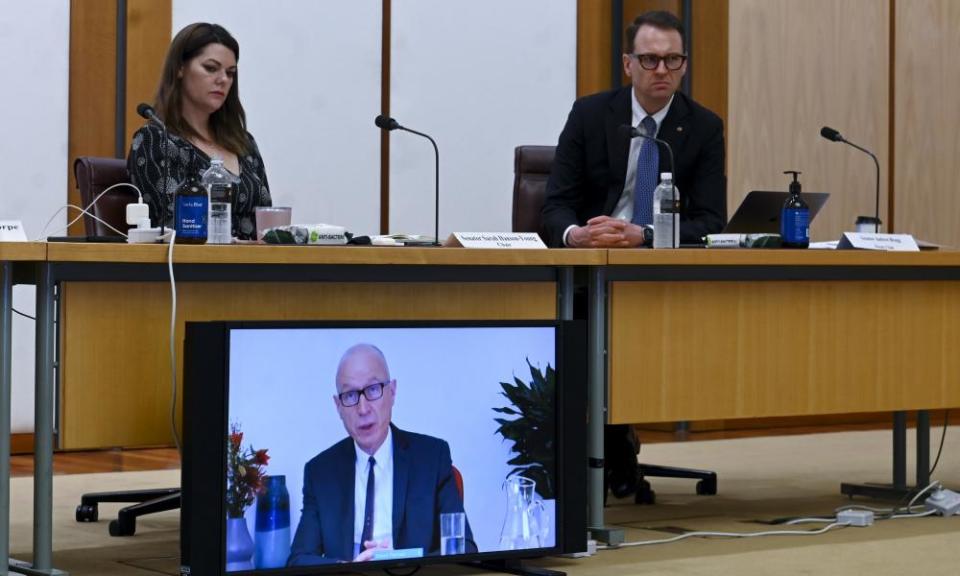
(673, 62)
(352, 397)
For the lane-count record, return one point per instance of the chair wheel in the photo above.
(117, 529)
(707, 487)
(645, 494)
(87, 513)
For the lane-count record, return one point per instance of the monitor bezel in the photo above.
(205, 422)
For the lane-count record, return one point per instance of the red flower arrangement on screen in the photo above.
(245, 471)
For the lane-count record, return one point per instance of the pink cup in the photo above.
(267, 217)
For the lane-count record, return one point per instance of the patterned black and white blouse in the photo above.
(145, 164)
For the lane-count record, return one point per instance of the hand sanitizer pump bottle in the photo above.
(795, 217)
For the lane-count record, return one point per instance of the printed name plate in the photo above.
(889, 242)
(12, 231)
(496, 240)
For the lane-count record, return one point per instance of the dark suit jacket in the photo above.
(590, 165)
(423, 488)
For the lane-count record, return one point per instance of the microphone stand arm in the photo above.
(436, 211)
(876, 162)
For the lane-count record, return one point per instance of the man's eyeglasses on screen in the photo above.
(371, 392)
(652, 61)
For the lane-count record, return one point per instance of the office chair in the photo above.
(531, 169)
(93, 176)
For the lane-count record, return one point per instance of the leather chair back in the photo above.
(531, 168)
(94, 175)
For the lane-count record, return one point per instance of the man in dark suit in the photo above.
(382, 487)
(600, 190)
(594, 180)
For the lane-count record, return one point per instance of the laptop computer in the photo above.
(760, 211)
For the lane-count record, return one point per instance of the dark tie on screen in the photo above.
(648, 161)
(367, 533)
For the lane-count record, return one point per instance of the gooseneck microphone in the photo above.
(628, 131)
(147, 112)
(834, 136)
(389, 124)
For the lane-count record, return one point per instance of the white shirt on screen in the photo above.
(382, 495)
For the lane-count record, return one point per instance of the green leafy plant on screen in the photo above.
(533, 428)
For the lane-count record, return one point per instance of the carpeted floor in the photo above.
(761, 479)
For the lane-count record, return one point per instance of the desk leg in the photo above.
(597, 401)
(899, 489)
(6, 333)
(43, 429)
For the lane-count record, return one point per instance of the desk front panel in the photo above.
(114, 336)
(703, 350)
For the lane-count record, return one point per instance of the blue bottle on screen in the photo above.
(272, 533)
(795, 217)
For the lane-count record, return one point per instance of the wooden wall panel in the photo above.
(594, 23)
(148, 36)
(927, 114)
(709, 55)
(795, 67)
(93, 52)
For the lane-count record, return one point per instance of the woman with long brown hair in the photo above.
(198, 100)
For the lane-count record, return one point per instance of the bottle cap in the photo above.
(666, 176)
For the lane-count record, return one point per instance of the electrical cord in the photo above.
(708, 534)
(173, 348)
(27, 316)
(943, 435)
(85, 210)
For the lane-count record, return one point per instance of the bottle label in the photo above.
(192, 217)
(795, 225)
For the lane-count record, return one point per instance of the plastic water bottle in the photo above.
(220, 185)
(272, 534)
(666, 213)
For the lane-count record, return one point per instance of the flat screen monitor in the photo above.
(321, 446)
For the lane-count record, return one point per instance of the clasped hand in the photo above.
(370, 547)
(606, 232)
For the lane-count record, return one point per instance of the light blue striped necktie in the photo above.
(648, 163)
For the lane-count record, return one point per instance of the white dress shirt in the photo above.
(382, 495)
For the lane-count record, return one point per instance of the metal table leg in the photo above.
(596, 398)
(6, 350)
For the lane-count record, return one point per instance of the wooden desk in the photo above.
(713, 334)
(17, 262)
(116, 310)
(749, 334)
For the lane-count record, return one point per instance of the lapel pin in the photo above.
(679, 128)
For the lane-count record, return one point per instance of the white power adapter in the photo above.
(860, 518)
(945, 502)
(139, 215)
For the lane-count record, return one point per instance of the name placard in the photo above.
(12, 231)
(523, 240)
(869, 241)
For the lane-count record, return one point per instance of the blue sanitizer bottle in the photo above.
(795, 217)
(191, 206)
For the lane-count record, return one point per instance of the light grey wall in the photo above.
(34, 42)
(310, 83)
(481, 78)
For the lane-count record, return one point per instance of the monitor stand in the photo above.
(514, 566)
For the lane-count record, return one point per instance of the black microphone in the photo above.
(147, 112)
(628, 131)
(389, 124)
(834, 136)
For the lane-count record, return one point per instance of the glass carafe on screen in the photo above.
(526, 523)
